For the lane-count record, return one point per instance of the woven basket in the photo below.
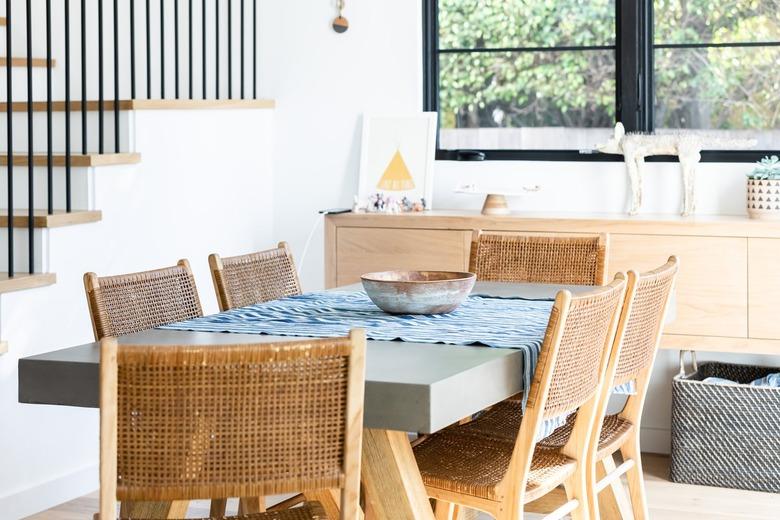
(726, 435)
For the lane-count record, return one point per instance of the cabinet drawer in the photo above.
(711, 296)
(764, 287)
(364, 250)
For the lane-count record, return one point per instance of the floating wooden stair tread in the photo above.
(146, 104)
(22, 62)
(76, 160)
(3, 21)
(22, 281)
(41, 218)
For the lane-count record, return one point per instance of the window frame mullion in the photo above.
(633, 62)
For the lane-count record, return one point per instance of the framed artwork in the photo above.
(396, 162)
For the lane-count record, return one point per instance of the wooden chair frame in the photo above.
(353, 425)
(513, 486)
(92, 284)
(604, 467)
(602, 245)
(217, 268)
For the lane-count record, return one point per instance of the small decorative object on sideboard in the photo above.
(396, 162)
(495, 199)
(686, 145)
(763, 189)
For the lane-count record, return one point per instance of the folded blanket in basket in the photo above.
(770, 381)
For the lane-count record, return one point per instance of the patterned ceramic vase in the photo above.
(763, 199)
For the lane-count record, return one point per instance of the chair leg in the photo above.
(444, 510)
(576, 487)
(247, 505)
(612, 503)
(636, 481)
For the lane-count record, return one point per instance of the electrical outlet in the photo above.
(3, 347)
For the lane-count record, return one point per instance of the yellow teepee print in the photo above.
(396, 176)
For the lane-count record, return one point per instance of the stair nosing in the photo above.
(76, 160)
(42, 220)
(146, 104)
(25, 281)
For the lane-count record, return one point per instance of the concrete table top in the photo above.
(415, 387)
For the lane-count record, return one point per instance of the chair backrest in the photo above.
(129, 303)
(219, 421)
(512, 257)
(638, 337)
(643, 324)
(569, 374)
(254, 278)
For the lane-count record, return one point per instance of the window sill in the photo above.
(711, 156)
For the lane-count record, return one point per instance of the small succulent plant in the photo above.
(767, 168)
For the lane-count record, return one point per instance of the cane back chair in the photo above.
(254, 278)
(180, 423)
(128, 303)
(472, 466)
(512, 257)
(639, 331)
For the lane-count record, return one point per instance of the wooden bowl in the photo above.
(418, 292)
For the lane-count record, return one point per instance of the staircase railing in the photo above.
(162, 29)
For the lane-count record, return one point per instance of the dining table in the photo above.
(410, 387)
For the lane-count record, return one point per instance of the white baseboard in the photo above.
(656, 440)
(29, 501)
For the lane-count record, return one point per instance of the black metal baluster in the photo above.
(254, 49)
(189, 49)
(162, 49)
(148, 52)
(176, 46)
(67, 108)
(83, 77)
(230, 48)
(101, 135)
(9, 122)
(49, 153)
(30, 158)
(116, 76)
(132, 49)
(203, 46)
(242, 49)
(216, 53)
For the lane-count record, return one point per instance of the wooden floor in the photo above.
(668, 501)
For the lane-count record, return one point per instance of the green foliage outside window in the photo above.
(718, 88)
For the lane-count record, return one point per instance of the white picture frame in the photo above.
(414, 137)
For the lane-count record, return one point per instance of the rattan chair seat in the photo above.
(613, 432)
(460, 461)
(308, 511)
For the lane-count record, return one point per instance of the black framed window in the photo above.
(535, 79)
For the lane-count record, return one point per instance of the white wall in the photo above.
(196, 191)
(323, 83)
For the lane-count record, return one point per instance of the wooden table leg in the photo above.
(155, 510)
(394, 488)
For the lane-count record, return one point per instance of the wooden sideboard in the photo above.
(728, 289)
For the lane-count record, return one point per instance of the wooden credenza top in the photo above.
(728, 288)
(700, 225)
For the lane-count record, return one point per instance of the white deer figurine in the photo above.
(687, 146)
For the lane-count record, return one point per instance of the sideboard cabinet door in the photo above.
(364, 250)
(764, 287)
(711, 296)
